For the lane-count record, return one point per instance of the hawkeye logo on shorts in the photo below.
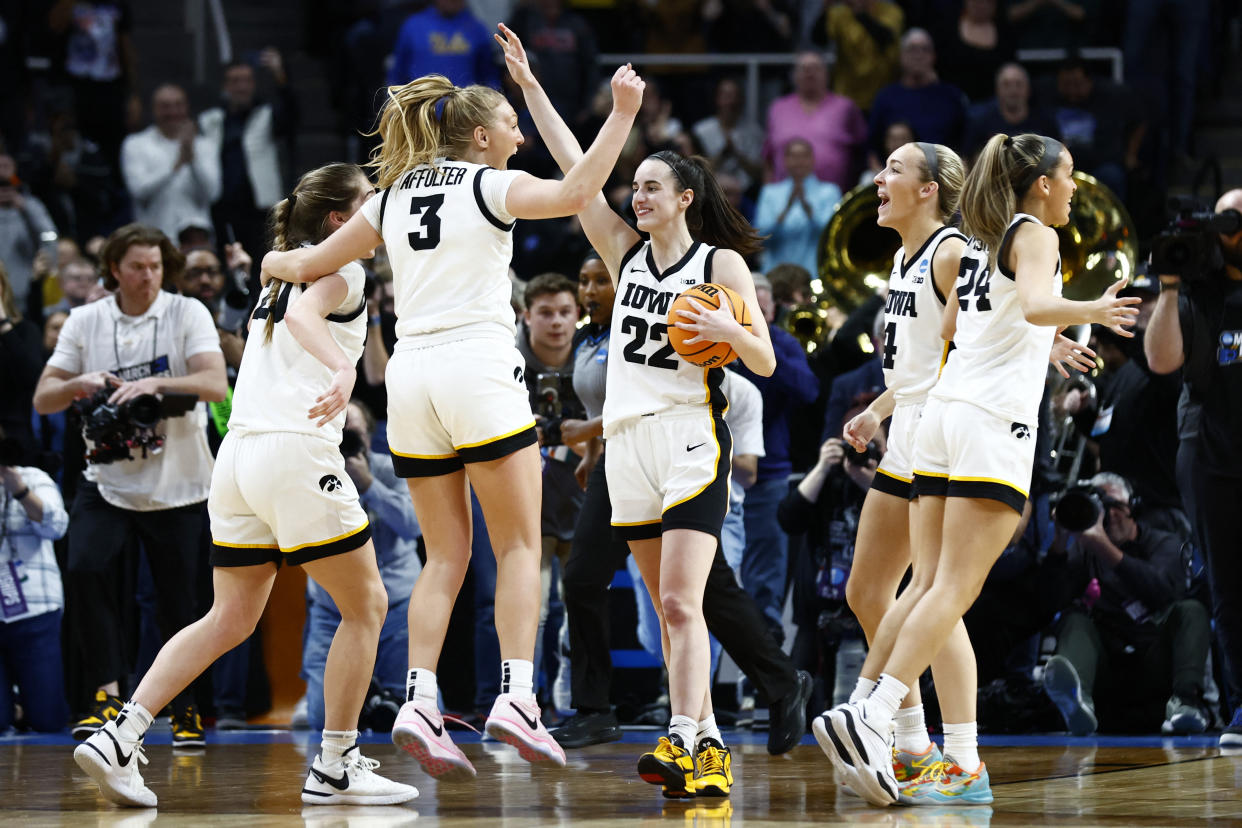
(519, 375)
(330, 483)
(1020, 431)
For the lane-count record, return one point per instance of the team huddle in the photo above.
(945, 500)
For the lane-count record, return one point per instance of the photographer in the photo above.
(1197, 327)
(826, 505)
(32, 516)
(1126, 631)
(395, 532)
(142, 341)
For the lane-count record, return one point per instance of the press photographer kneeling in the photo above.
(1197, 327)
(147, 477)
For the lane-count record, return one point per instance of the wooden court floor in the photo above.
(1075, 784)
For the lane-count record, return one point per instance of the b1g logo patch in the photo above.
(1020, 431)
(1230, 350)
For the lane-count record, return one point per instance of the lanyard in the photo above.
(116, 348)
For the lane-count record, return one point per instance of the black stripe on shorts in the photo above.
(705, 512)
(929, 485)
(339, 546)
(244, 555)
(892, 486)
(425, 466)
(638, 531)
(988, 490)
(500, 447)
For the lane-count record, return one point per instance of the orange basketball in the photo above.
(705, 354)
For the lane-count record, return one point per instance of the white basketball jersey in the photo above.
(913, 347)
(645, 374)
(1000, 360)
(279, 381)
(449, 241)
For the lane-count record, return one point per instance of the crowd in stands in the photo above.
(111, 183)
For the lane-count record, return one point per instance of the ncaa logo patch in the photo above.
(923, 265)
(1020, 431)
(329, 483)
(1230, 350)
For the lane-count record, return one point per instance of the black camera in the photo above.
(548, 409)
(117, 429)
(861, 458)
(1189, 246)
(351, 444)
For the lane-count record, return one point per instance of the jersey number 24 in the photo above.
(973, 281)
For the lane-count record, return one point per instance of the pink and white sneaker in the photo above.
(514, 720)
(420, 732)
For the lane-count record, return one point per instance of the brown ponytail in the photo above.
(710, 218)
(1002, 174)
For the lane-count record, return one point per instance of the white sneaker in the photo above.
(847, 777)
(352, 781)
(862, 752)
(112, 761)
(515, 721)
(420, 732)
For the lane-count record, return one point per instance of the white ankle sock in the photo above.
(684, 727)
(884, 700)
(708, 730)
(335, 743)
(862, 689)
(517, 676)
(421, 684)
(961, 744)
(133, 720)
(911, 733)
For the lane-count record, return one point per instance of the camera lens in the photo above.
(1078, 510)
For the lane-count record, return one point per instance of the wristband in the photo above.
(373, 320)
(1174, 285)
(23, 494)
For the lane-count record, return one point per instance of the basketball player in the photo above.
(279, 492)
(668, 458)
(458, 410)
(975, 445)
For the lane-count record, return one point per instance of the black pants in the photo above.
(1215, 502)
(98, 532)
(730, 613)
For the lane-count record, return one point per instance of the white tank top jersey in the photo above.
(913, 348)
(449, 241)
(1000, 360)
(645, 375)
(279, 381)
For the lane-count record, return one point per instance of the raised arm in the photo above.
(608, 233)
(355, 240)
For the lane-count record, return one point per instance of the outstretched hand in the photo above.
(1118, 313)
(1066, 351)
(627, 91)
(515, 57)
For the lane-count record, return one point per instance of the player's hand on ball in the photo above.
(710, 325)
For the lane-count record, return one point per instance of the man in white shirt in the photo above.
(172, 173)
(145, 341)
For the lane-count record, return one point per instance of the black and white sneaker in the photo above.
(862, 752)
(352, 781)
(112, 761)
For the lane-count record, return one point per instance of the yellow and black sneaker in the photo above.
(670, 765)
(713, 770)
(187, 728)
(105, 709)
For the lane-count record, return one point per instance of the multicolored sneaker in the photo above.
(909, 766)
(352, 781)
(670, 765)
(515, 721)
(420, 732)
(112, 761)
(105, 709)
(187, 728)
(945, 783)
(713, 769)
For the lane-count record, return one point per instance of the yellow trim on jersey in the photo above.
(715, 465)
(245, 545)
(422, 456)
(637, 523)
(918, 473)
(895, 477)
(943, 358)
(325, 542)
(497, 439)
(988, 480)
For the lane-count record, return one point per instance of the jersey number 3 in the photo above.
(973, 281)
(426, 233)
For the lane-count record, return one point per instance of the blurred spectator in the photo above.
(395, 532)
(1009, 112)
(935, 110)
(1102, 123)
(20, 363)
(25, 227)
(735, 194)
(973, 48)
(656, 123)
(792, 213)
(564, 46)
(865, 34)
(1163, 42)
(831, 123)
(70, 172)
(1129, 648)
(857, 382)
(446, 39)
(250, 133)
(143, 341)
(204, 279)
(172, 173)
(789, 286)
(79, 284)
(1053, 24)
(897, 135)
(32, 515)
(750, 25)
(102, 66)
(731, 141)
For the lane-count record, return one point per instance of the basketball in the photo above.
(705, 354)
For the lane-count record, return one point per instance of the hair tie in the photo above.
(933, 159)
(439, 106)
(293, 200)
(1052, 151)
(1008, 142)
